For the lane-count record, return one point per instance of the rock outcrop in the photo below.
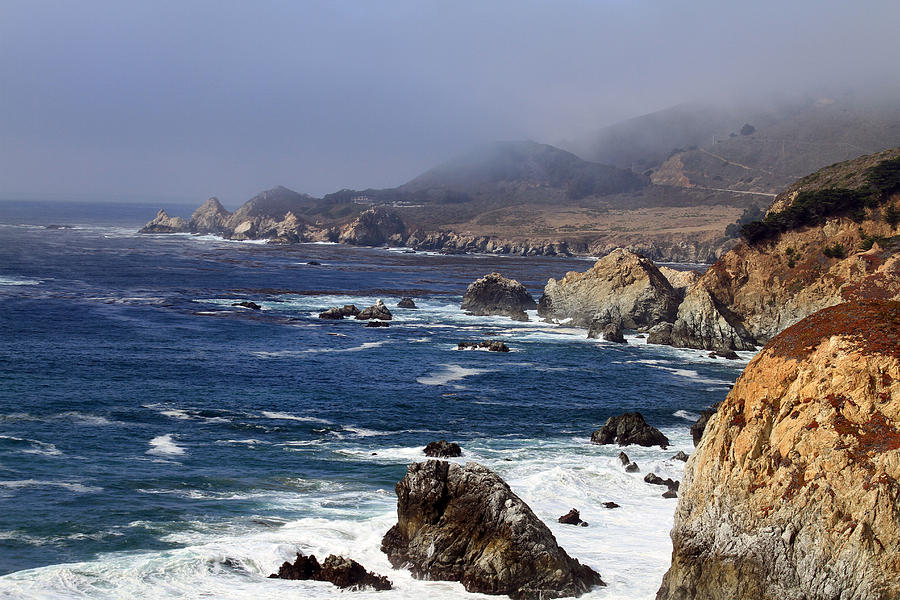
(211, 217)
(163, 223)
(495, 294)
(442, 449)
(376, 311)
(341, 571)
(629, 428)
(621, 288)
(699, 427)
(705, 323)
(573, 517)
(489, 345)
(406, 303)
(374, 227)
(792, 492)
(611, 332)
(464, 524)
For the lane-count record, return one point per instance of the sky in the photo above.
(187, 99)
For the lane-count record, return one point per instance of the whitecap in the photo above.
(13, 280)
(72, 486)
(290, 353)
(449, 374)
(289, 417)
(683, 414)
(164, 446)
(33, 446)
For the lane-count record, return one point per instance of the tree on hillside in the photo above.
(747, 129)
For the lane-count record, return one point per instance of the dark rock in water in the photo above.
(342, 572)
(670, 494)
(610, 505)
(247, 304)
(494, 294)
(58, 227)
(657, 480)
(629, 428)
(464, 524)
(611, 332)
(377, 324)
(624, 458)
(313, 263)
(406, 303)
(681, 456)
(640, 336)
(491, 345)
(699, 427)
(632, 468)
(660, 334)
(349, 310)
(443, 449)
(333, 313)
(729, 354)
(573, 517)
(376, 311)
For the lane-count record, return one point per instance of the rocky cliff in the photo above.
(621, 288)
(163, 223)
(793, 490)
(818, 246)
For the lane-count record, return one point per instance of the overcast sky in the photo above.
(188, 99)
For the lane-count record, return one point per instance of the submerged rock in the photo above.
(490, 345)
(376, 311)
(792, 492)
(609, 505)
(342, 572)
(494, 294)
(629, 428)
(632, 467)
(657, 480)
(464, 524)
(573, 517)
(377, 324)
(443, 449)
(247, 304)
(406, 303)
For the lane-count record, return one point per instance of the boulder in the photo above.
(247, 304)
(629, 428)
(623, 458)
(792, 492)
(377, 324)
(406, 303)
(163, 223)
(573, 517)
(489, 345)
(660, 334)
(699, 427)
(609, 505)
(333, 313)
(670, 493)
(611, 332)
(632, 467)
(464, 524)
(680, 456)
(704, 323)
(376, 311)
(655, 479)
(726, 354)
(494, 294)
(443, 449)
(342, 572)
(622, 288)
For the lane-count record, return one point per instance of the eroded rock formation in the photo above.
(163, 223)
(464, 524)
(339, 570)
(495, 294)
(792, 492)
(629, 428)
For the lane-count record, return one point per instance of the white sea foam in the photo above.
(163, 445)
(295, 353)
(289, 417)
(72, 486)
(13, 280)
(683, 414)
(29, 446)
(449, 374)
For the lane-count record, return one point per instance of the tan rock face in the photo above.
(621, 287)
(163, 223)
(793, 492)
(211, 217)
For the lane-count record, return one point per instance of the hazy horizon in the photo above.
(180, 101)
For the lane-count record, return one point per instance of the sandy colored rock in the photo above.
(211, 217)
(163, 223)
(621, 287)
(793, 491)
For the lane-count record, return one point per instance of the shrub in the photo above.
(891, 215)
(747, 129)
(835, 250)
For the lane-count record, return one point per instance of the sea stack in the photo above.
(793, 490)
(495, 294)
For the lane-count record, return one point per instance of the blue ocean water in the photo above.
(156, 441)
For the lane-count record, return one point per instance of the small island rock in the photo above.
(376, 311)
(629, 428)
(342, 572)
(406, 303)
(443, 449)
(494, 294)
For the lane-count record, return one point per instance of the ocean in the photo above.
(158, 442)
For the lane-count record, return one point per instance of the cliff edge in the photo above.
(793, 491)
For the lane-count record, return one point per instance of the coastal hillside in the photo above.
(792, 492)
(831, 237)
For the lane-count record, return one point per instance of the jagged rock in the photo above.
(623, 458)
(629, 428)
(699, 427)
(704, 323)
(333, 313)
(376, 311)
(373, 227)
(248, 304)
(573, 517)
(494, 294)
(655, 479)
(349, 310)
(611, 332)
(660, 334)
(464, 524)
(163, 223)
(621, 288)
(313, 263)
(680, 280)
(211, 217)
(792, 492)
(670, 493)
(443, 449)
(680, 456)
(377, 324)
(490, 345)
(726, 354)
(406, 303)
(609, 505)
(342, 572)
(632, 467)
